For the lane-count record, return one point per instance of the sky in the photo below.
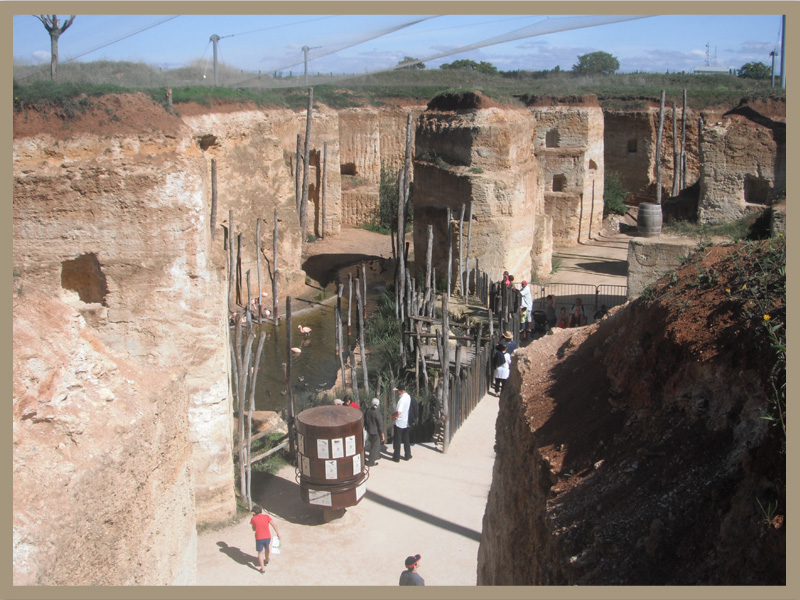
(364, 43)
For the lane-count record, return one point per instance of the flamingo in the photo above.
(296, 350)
(303, 329)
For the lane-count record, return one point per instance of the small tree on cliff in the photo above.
(596, 63)
(50, 23)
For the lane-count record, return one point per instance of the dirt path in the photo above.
(432, 505)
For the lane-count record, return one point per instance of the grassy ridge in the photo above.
(195, 83)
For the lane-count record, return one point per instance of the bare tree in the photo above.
(50, 23)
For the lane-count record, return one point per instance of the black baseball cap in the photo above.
(412, 560)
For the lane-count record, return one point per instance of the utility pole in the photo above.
(305, 63)
(783, 52)
(215, 40)
(772, 54)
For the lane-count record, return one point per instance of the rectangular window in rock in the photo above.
(552, 138)
(559, 183)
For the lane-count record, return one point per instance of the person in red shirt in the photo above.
(261, 523)
(348, 401)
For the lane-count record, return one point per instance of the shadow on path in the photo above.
(238, 556)
(423, 516)
(282, 498)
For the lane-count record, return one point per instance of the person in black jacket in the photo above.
(374, 426)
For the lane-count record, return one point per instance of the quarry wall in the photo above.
(483, 158)
(127, 390)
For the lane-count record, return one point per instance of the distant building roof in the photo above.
(712, 70)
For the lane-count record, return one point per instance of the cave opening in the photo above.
(85, 276)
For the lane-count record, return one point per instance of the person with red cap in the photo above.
(410, 575)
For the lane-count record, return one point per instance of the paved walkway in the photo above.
(600, 261)
(432, 505)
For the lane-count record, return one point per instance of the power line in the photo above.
(162, 21)
(278, 26)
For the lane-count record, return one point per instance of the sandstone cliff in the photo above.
(483, 157)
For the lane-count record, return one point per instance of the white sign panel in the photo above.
(362, 487)
(350, 445)
(322, 449)
(301, 443)
(319, 497)
(337, 448)
(356, 464)
(330, 469)
(305, 466)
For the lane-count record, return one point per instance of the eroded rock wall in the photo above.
(113, 233)
(743, 165)
(255, 153)
(370, 139)
(569, 146)
(485, 158)
(102, 476)
(630, 142)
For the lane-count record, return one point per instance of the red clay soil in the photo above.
(116, 114)
(650, 425)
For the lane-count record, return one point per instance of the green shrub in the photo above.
(614, 195)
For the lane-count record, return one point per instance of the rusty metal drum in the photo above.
(330, 445)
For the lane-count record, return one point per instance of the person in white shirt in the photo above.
(400, 418)
(527, 303)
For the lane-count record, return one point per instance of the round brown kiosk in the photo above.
(330, 445)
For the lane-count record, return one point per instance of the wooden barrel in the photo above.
(649, 219)
(330, 443)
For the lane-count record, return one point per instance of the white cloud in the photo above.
(41, 56)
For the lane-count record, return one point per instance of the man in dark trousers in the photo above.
(400, 418)
(374, 426)
(410, 575)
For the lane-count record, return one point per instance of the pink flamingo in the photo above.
(296, 350)
(303, 329)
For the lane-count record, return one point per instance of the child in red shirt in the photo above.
(260, 523)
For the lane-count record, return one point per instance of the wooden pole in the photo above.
(683, 142)
(257, 362)
(446, 365)
(231, 263)
(239, 269)
(469, 244)
(298, 190)
(361, 345)
(349, 301)
(449, 253)
(324, 209)
(461, 250)
(213, 197)
(407, 167)
(364, 283)
(289, 395)
(675, 156)
(658, 149)
(306, 160)
(243, 377)
(275, 271)
(258, 264)
(341, 336)
(400, 277)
